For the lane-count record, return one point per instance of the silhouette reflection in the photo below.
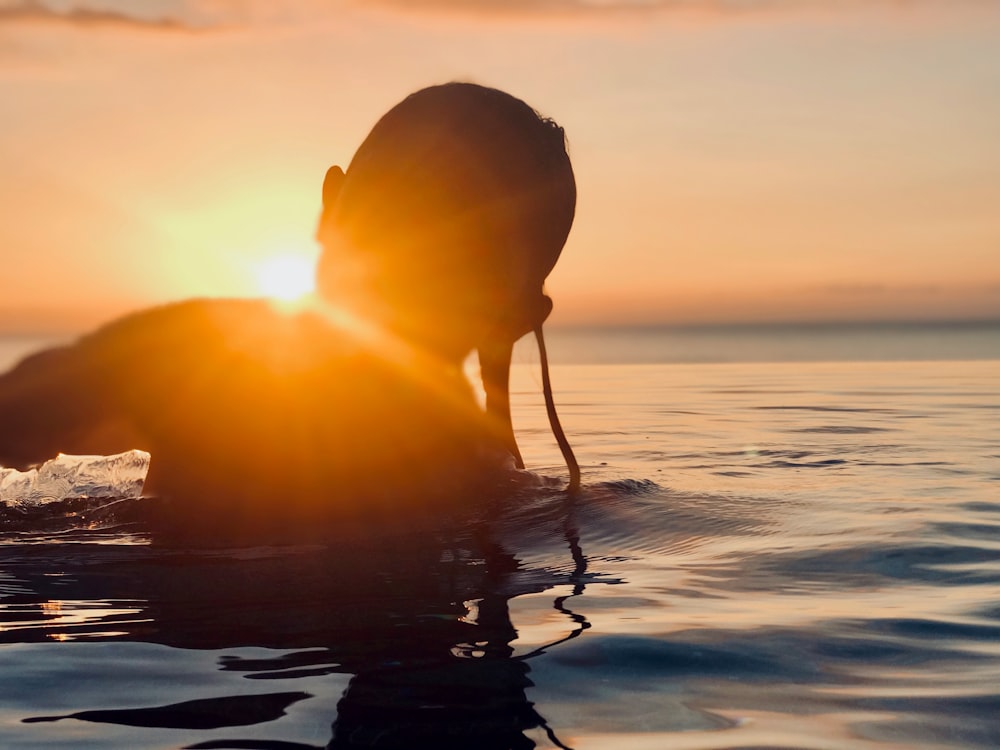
(423, 626)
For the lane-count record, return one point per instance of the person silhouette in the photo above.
(435, 241)
(472, 184)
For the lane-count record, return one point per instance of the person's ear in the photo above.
(332, 184)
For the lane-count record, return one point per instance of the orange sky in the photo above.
(776, 160)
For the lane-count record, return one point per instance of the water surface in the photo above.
(796, 555)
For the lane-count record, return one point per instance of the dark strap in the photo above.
(550, 408)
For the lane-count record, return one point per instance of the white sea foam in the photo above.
(65, 477)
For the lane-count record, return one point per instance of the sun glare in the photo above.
(286, 277)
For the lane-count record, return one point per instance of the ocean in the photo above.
(788, 537)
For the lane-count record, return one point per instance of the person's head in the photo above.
(451, 214)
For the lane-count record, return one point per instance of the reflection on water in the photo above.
(422, 627)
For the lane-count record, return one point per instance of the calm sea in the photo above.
(789, 538)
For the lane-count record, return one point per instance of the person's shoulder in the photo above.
(212, 327)
(177, 316)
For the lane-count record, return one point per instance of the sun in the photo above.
(287, 278)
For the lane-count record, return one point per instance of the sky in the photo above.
(736, 160)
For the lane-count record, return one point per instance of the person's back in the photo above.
(255, 420)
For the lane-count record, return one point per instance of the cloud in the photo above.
(673, 7)
(83, 15)
(176, 15)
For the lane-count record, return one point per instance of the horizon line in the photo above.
(915, 322)
(57, 330)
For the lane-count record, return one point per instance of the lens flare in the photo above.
(286, 278)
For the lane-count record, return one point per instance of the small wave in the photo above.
(628, 486)
(833, 429)
(847, 409)
(640, 517)
(862, 567)
(782, 464)
(931, 629)
(986, 532)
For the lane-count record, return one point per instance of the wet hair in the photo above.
(462, 196)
